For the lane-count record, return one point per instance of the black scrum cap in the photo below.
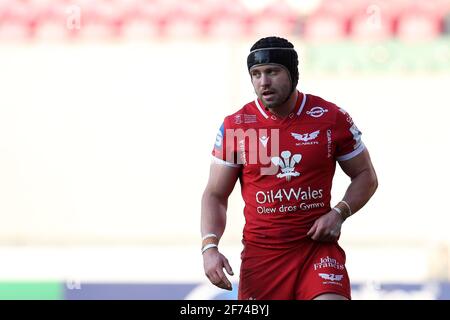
(275, 50)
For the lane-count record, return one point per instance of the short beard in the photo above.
(274, 104)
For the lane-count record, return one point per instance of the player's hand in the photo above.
(327, 227)
(214, 262)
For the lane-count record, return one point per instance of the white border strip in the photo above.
(225, 163)
(260, 109)
(303, 104)
(352, 154)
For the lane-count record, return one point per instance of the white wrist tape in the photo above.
(209, 246)
(209, 235)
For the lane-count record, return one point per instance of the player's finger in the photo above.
(312, 229)
(316, 234)
(224, 279)
(214, 278)
(320, 235)
(328, 236)
(221, 285)
(228, 267)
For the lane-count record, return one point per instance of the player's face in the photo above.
(272, 84)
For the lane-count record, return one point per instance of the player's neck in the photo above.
(286, 108)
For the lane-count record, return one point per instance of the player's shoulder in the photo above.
(322, 110)
(316, 101)
(247, 114)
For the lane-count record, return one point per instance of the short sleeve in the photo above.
(348, 137)
(224, 151)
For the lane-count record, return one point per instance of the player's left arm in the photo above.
(363, 185)
(364, 181)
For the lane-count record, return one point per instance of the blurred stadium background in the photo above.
(109, 111)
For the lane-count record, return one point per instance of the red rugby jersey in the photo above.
(287, 165)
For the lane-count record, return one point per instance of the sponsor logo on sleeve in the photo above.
(328, 262)
(356, 136)
(317, 112)
(331, 278)
(329, 141)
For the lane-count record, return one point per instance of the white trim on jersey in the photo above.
(303, 104)
(225, 163)
(352, 154)
(299, 110)
(260, 109)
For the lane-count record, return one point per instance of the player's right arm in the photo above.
(222, 180)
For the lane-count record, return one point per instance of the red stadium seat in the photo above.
(277, 18)
(55, 21)
(228, 19)
(185, 19)
(14, 31)
(101, 19)
(183, 25)
(331, 20)
(142, 20)
(340, 8)
(416, 24)
(325, 27)
(373, 22)
(17, 20)
(228, 27)
(138, 28)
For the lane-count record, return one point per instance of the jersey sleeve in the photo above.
(224, 151)
(348, 137)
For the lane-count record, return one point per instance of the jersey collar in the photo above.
(299, 105)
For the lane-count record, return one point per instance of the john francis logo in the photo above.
(328, 262)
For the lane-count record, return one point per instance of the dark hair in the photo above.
(279, 51)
